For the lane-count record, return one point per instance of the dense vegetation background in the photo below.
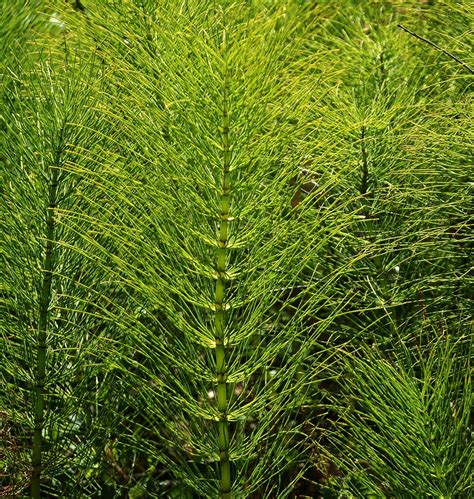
(236, 248)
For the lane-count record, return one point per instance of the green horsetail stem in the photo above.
(219, 318)
(40, 368)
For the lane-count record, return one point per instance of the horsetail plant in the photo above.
(48, 319)
(214, 113)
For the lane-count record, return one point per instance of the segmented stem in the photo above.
(220, 320)
(40, 368)
(365, 164)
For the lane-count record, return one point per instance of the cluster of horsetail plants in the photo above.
(234, 244)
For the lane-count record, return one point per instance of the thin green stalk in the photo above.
(219, 320)
(40, 370)
(365, 164)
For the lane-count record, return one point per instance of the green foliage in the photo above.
(235, 249)
(407, 421)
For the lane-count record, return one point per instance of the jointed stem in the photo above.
(219, 320)
(365, 164)
(40, 371)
